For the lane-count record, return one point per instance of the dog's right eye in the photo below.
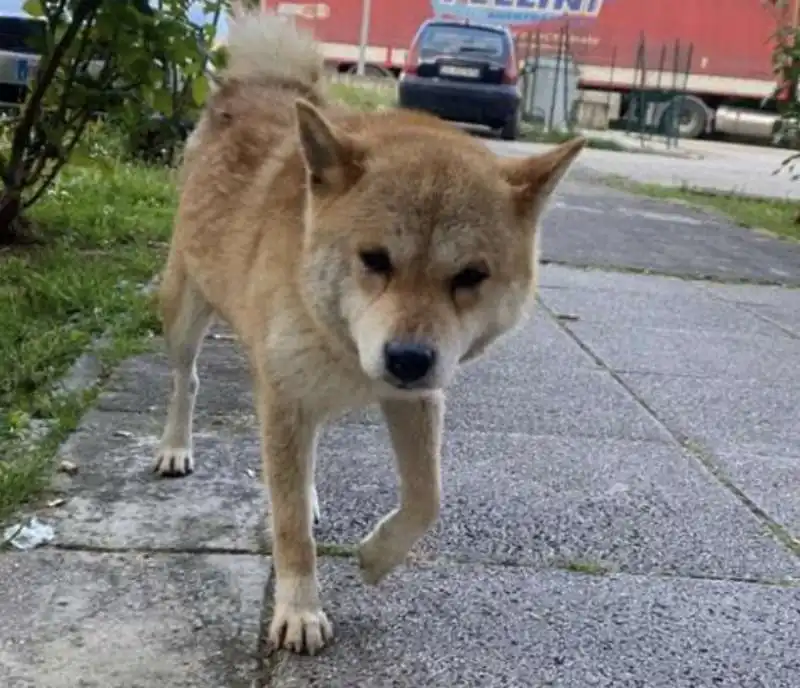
(377, 261)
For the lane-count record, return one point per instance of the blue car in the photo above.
(464, 72)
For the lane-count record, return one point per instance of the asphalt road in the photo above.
(715, 166)
(593, 225)
(620, 499)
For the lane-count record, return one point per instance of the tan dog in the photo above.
(359, 259)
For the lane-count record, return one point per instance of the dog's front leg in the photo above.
(298, 622)
(415, 426)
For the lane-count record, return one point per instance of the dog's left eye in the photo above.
(469, 278)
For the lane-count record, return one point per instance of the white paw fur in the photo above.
(300, 630)
(174, 462)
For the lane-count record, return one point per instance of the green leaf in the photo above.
(199, 90)
(33, 8)
(162, 101)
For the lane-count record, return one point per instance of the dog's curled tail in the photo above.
(265, 47)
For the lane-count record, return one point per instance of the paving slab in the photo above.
(561, 402)
(553, 276)
(780, 306)
(740, 331)
(725, 414)
(671, 306)
(536, 343)
(142, 383)
(778, 297)
(768, 357)
(787, 319)
(499, 626)
(539, 381)
(550, 501)
(115, 501)
(771, 480)
(92, 620)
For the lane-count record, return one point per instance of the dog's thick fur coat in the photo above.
(359, 258)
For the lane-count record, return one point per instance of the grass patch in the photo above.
(589, 568)
(778, 217)
(363, 98)
(335, 550)
(105, 230)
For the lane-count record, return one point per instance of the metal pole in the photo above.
(642, 93)
(677, 101)
(611, 81)
(535, 77)
(556, 75)
(363, 38)
(565, 90)
(527, 107)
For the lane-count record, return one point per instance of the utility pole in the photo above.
(363, 39)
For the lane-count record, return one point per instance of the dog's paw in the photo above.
(300, 630)
(376, 559)
(174, 462)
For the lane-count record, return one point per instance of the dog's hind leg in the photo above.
(415, 427)
(186, 316)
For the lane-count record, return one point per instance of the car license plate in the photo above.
(464, 72)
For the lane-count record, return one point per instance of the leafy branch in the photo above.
(115, 59)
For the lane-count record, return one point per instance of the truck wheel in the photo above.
(691, 117)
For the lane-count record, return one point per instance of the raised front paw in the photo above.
(378, 556)
(300, 630)
(174, 462)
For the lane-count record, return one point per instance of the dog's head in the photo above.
(420, 244)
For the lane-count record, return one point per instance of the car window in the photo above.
(21, 35)
(461, 40)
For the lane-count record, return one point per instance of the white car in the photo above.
(18, 59)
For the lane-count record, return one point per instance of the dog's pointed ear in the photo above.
(534, 179)
(333, 158)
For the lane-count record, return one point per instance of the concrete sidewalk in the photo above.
(621, 509)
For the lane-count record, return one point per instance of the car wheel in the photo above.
(510, 131)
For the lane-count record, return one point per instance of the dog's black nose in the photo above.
(408, 362)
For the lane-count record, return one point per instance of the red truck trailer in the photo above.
(731, 41)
